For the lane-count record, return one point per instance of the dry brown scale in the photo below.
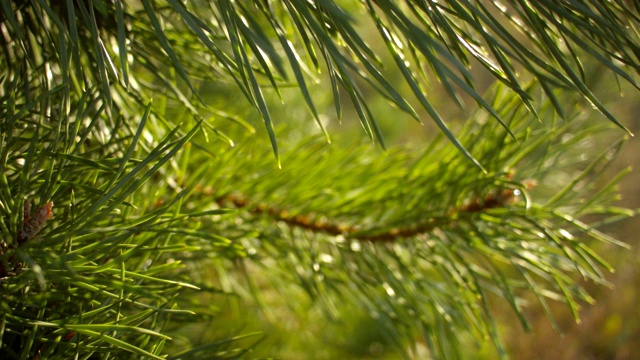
(31, 226)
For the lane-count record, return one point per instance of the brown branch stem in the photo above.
(496, 199)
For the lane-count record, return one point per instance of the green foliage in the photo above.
(129, 128)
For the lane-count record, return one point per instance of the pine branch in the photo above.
(431, 236)
(459, 234)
